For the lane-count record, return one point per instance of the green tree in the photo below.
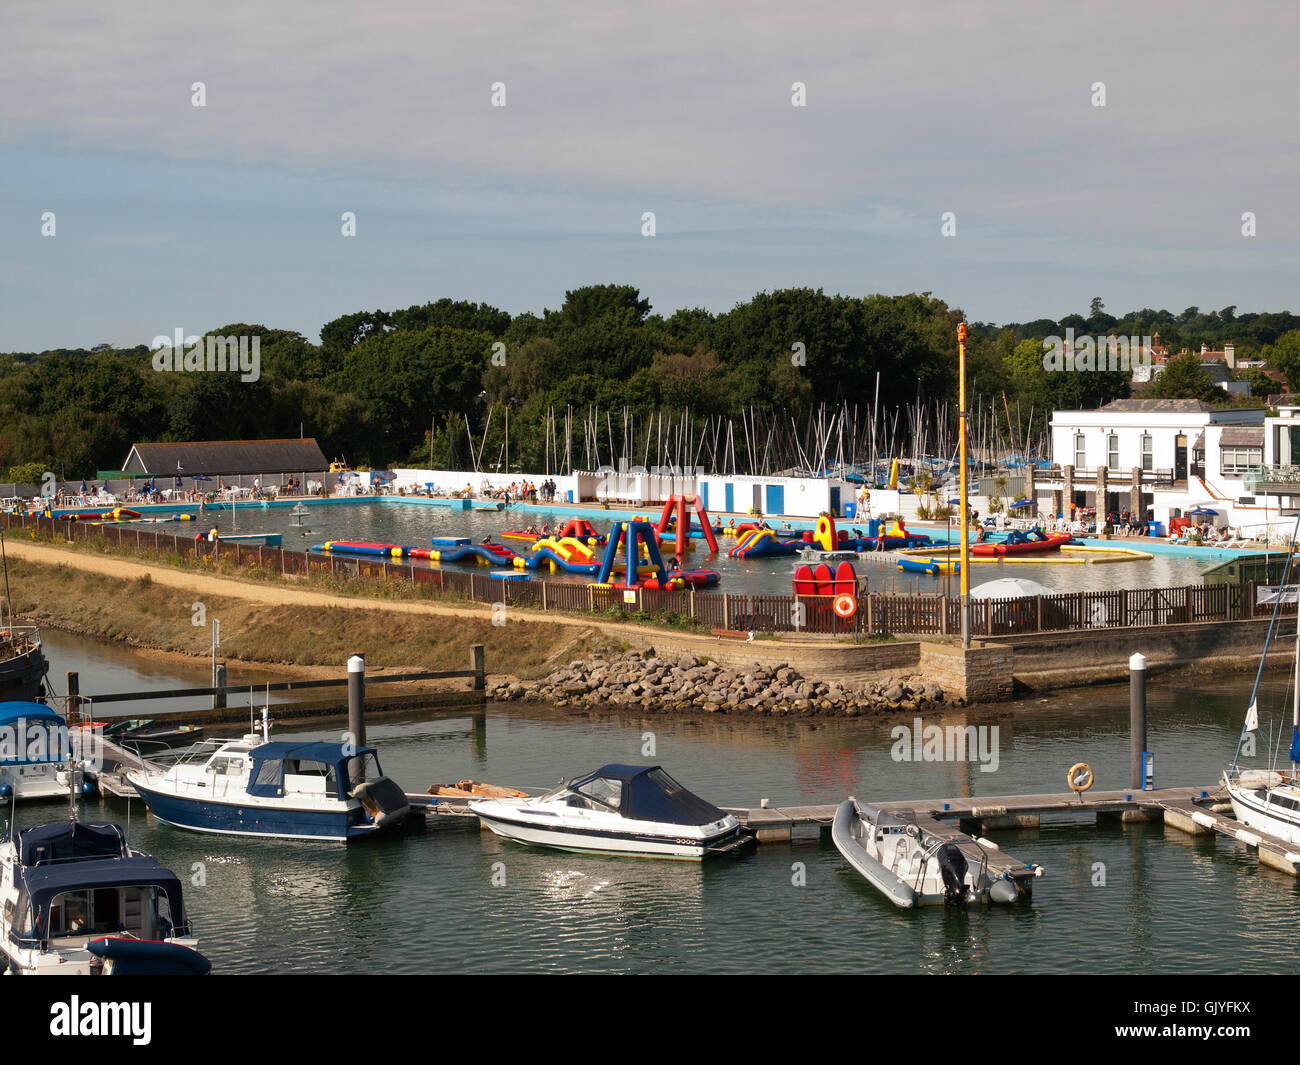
(1285, 356)
(1184, 378)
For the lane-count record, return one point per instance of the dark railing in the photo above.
(877, 613)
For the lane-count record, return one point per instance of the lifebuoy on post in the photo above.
(1079, 777)
(845, 605)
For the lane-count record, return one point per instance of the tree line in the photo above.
(398, 387)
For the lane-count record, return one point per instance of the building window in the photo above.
(1236, 460)
(1148, 457)
(1080, 451)
(1112, 451)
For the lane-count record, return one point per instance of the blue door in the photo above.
(730, 490)
(704, 494)
(835, 500)
(776, 499)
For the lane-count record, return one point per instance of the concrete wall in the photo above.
(1042, 661)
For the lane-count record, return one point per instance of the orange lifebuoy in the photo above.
(845, 605)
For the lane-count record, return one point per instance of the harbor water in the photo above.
(1114, 899)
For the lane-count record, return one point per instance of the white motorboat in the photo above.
(913, 867)
(286, 789)
(77, 900)
(636, 810)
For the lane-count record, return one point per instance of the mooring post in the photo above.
(74, 693)
(357, 699)
(356, 714)
(219, 683)
(477, 664)
(1137, 710)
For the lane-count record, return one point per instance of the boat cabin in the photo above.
(75, 882)
(640, 793)
(285, 768)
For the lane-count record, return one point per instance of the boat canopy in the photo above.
(269, 760)
(32, 733)
(69, 856)
(13, 711)
(67, 840)
(647, 793)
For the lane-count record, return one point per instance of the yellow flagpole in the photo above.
(965, 509)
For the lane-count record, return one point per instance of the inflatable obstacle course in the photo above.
(676, 513)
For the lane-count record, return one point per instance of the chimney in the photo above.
(1229, 354)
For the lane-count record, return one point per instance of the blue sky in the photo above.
(173, 216)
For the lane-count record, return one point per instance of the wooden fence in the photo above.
(877, 613)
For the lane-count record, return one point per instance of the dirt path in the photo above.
(576, 628)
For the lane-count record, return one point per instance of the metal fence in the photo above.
(877, 613)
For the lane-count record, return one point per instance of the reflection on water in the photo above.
(1113, 899)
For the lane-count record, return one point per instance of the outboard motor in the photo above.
(952, 864)
(383, 800)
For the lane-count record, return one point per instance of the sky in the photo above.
(169, 215)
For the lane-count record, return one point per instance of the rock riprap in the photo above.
(682, 683)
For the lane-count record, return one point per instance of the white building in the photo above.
(1164, 457)
(794, 497)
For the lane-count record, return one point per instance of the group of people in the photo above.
(1126, 523)
(518, 491)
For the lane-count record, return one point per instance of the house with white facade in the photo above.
(1165, 457)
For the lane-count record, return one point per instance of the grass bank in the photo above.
(144, 612)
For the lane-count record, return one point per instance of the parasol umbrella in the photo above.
(1022, 503)
(1009, 588)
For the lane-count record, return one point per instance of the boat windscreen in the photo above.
(603, 790)
(655, 796)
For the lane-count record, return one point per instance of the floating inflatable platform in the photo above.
(931, 566)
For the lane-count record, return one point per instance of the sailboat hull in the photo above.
(1253, 810)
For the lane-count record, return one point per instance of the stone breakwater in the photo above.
(679, 684)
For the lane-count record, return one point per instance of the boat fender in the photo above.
(1003, 891)
(1079, 777)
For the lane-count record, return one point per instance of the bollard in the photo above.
(74, 694)
(219, 683)
(478, 664)
(357, 699)
(1137, 710)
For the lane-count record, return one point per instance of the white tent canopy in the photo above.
(1009, 588)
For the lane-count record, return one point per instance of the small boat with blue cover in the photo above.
(34, 744)
(635, 810)
(78, 900)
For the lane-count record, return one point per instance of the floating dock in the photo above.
(1197, 811)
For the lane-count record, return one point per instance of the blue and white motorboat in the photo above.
(636, 810)
(78, 900)
(289, 789)
(34, 746)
